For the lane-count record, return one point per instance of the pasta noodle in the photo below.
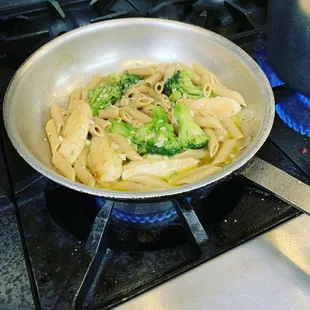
(200, 153)
(224, 152)
(96, 130)
(136, 114)
(150, 180)
(122, 132)
(232, 128)
(101, 122)
(75, 98)
(195, 175)
(52, 135)
(213, 144)
(107, 113)
(126, 147)
(57, 117)
(63, 166)
(153, 79)
(162, 68)
(222, 91)
(83, 174)
(159, 87)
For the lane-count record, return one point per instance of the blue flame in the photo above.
(261, 59)
(295, 110)
(151, 218)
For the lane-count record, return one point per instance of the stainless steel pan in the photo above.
(68, 61)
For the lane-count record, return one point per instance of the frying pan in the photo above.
(70, 60)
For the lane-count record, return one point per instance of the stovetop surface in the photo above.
(49, 226)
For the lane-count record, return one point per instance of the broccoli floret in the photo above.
(180, 84)
(121, 128)
(190, 135)
(127, 80)
(104, 96)
(213, 94)
(157, 137)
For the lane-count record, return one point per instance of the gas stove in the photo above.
(73, 250)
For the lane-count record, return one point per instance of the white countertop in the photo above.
(269, 272)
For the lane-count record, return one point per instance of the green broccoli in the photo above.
(157, 137)
(104, 96)
(191, 136)
(213, 94)
(121, 128)
(127, 80)
(180, 84)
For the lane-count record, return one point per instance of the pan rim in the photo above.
(228, 170)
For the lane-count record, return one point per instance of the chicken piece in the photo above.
(104, 161)
(75, 132)
(160, 168)
(222, 107)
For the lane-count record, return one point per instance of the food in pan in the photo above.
(147, 128)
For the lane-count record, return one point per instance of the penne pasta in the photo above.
(125, 147)
(163, 99)
(136, 114)
(199, 153)
(83, 174)
(222, 91)
(132, 94)
(232, 128)
(83, 157)
(110, 112)
(162, 68)
(153, 79)
(126, 117)
(143, 71)
(130, 186)
(195, 175)
(96, 130)
(169, 72)
(141, 102)
(213, 144)
(57, 117)
(75, 98)
(206, 88)
(90, 85)
(208, 121)
(63, 166)
(196, 79)
(52, 135)
(148, 109)
(65, 114)
(224, 152)
(159, 87)
(150, 180)
(101, 122)
(143, 89)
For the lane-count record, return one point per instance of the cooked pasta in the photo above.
(148, 128)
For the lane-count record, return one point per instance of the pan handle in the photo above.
(281, 184)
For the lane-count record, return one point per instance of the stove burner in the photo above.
(142, 215)
(293, 110)
(261, 59)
